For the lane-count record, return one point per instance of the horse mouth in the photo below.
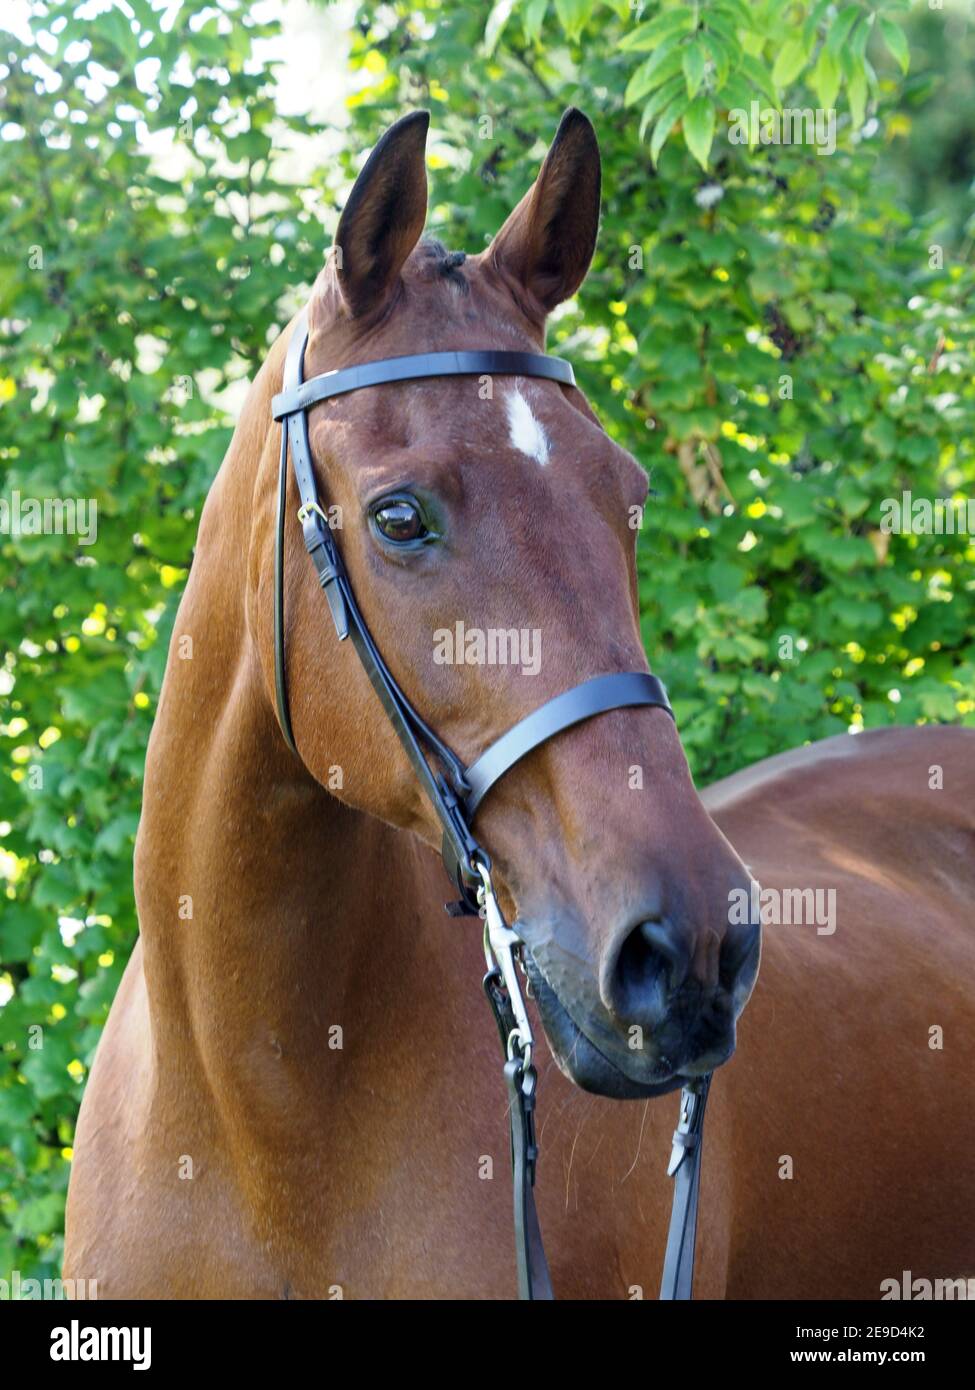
(587, 1066)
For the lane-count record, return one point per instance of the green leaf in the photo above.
(23, 925)
(841, 28)
(751, 605)
(668, 119)
(47, 1069)
(856, 91)
(811, 26)
(659, 100)
(678, 20)
(39, 1215)
(653, 71)
(496, 20)
(117, 29)
(113, 838)
(16, 1106)
(737, 11)
(896, 41)
(693, 65)
(852, 53)
(759, 76)
(573, 15)
(726, 28)
(726, 579)
(825, 79)
(873, 81)
(699, 129)
(852, 498)
(790, 62)
(735, 95)
(724, 58)
(534, 18)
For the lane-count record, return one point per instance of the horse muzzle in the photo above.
(657, 1039)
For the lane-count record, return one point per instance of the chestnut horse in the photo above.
(298, 1093)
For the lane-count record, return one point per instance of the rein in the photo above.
(456, 791)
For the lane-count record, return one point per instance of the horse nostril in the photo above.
(736, 950)
(660, 939)
(653, 963)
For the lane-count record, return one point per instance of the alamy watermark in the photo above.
(16, 1288)
(493, 646)
(789, 907)
(923, 1290)
(49, 516)
(927, 516)
(766, 125)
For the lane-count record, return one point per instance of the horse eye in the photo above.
(400, 522)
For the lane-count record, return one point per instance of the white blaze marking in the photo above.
(525, 432)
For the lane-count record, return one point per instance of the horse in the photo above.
(296, 1094)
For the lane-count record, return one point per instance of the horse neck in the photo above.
(271, 914)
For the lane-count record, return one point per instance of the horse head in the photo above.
(488, 528)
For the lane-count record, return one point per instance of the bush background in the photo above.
(768, 329)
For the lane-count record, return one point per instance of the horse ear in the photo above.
(547, 243)
(384, 215)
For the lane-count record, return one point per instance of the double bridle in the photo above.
(456, 791)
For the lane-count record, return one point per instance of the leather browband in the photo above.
(414, 368)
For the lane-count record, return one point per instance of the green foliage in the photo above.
(765, 326)
(934, 154)
(728, 53)
(133, 290)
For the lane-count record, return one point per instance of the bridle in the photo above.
(456, 791)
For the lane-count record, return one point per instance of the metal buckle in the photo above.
(305, 510)
(685, 1137)
(500, 945)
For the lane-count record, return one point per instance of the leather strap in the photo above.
(280, 685)
(596, 696)
(582, 702)
(303, 395)
(534, 1280)
(685, 1168)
